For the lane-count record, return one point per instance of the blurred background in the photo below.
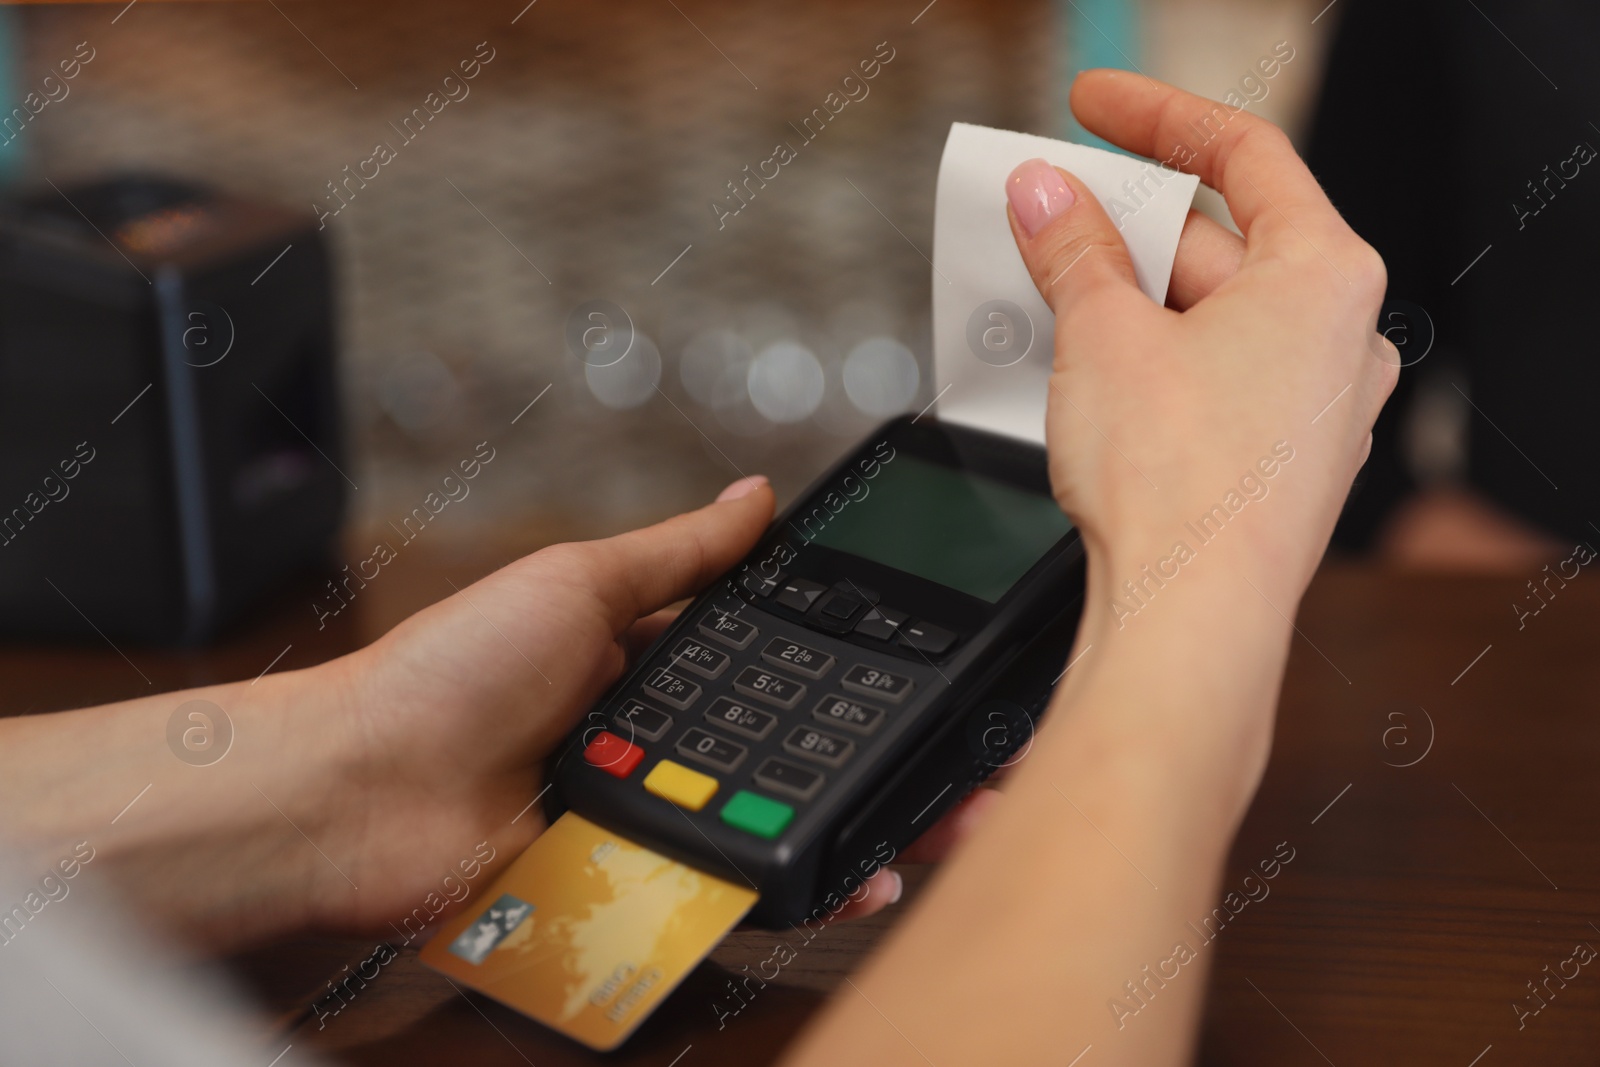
(593, 154)
(584, 160)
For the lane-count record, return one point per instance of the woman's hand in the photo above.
(451, 715)
(374, 792)
(1204, 451)
(1232, 423)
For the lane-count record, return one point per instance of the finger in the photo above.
(642, 571)
(881, 890)
(1208, 254)
(1244, 157)
(642, 634)
(952, 829)
(1071, 248)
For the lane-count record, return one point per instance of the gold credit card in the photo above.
(587, 932)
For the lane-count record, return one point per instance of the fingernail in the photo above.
(899, 887)
(1037, 194)
(742, 487)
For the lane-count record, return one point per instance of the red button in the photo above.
(612, 754)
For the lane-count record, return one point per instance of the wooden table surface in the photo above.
(1436, 772)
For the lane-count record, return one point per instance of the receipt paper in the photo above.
(993, 335)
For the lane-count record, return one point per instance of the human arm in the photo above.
(1110, 836)
(353, 789)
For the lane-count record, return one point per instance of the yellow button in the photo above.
(677, 783)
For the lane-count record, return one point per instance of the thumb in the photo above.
(1072, 250)
(642, 571)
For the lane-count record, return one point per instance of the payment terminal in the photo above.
(888, 645)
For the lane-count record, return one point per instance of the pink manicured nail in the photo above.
(742, 487)
(899, 887)
(1038, 194)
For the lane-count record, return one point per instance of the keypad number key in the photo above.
(728, 628)
(773, 688)
(699, 658)
(850, 714)
(671, 689)
(874, 681)
(713, 751)
(815, 745)
(782, 652)
(741, 718)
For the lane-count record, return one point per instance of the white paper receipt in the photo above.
(993, 335)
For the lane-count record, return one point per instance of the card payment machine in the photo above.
(889, 643)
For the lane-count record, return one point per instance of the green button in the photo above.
(755, 814)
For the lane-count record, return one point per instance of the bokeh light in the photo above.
(630, 381)
(786, 381)
(713, 368)
(881, 376)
